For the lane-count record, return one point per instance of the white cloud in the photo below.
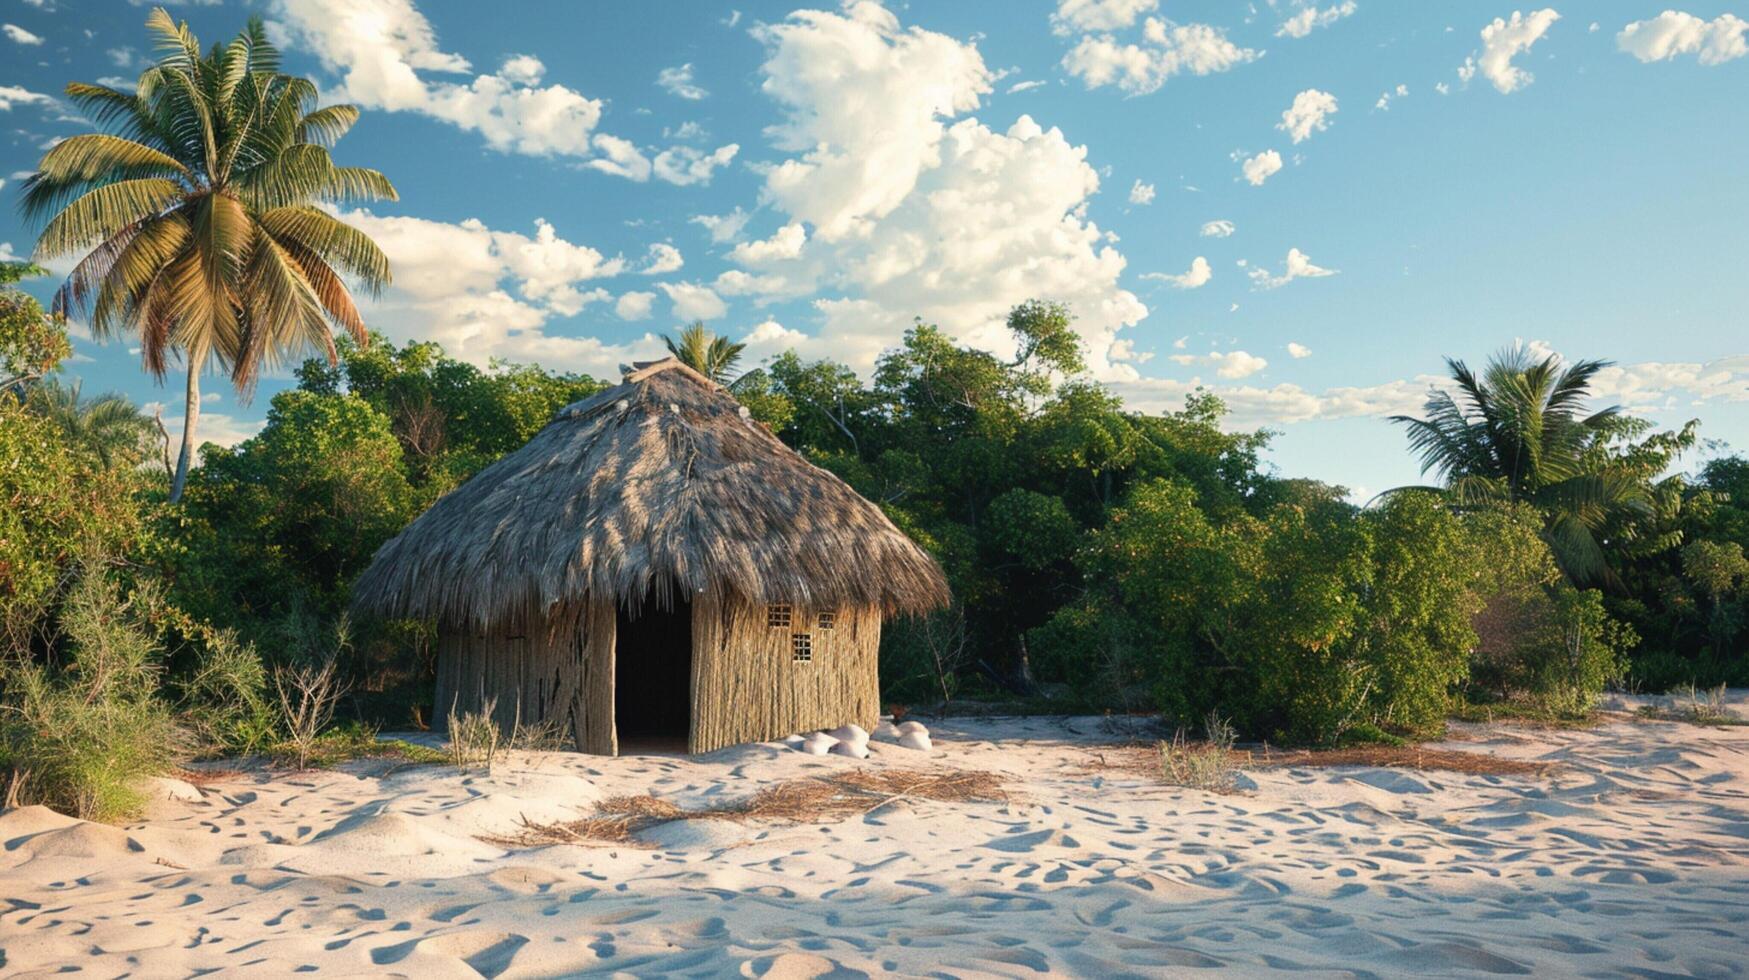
(1384, 102)
(214, 427)
(1310, 17)
(1141, 193)
(385, 51)
(688, 130)
(1025, 86)
(1504, 40)
(1250, 406)
(1198, 275)
(1259, 168)
(620, 157)
(692, 301)
(722, 227)
(678, 82)
(1298, 351)
(1072, 16)
(684, 165)
(523, 69)
(910, 213)
(786, 243)
(1310, 113)
(1673, 33)
(1232, 364)
(664, 258)
(1220, 228)
(380, 48)
(1298, 266)
(19, 35)
(634, 305)
(1166, 50)
(11, 95)
(484, 293)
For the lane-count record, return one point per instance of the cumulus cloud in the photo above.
(692, 301)
(786, 243)
(12, 95)
(19, 35)
(1261, 167)
(664, 258)
(1220, 228)
(684, 165)
(1310, 113)
(1298, 351)
(385, 51)
(1674, 33)
(634, 305)
(484, 293)
(678, 82)
(1141, 193)
(1196, 277)
(1231, 364)
(722, 227)
(1166, 49)
(901, 210)
(1384, 102)
(1297, 266)
(1308, 18)
(1073, 16)
(1504, 40)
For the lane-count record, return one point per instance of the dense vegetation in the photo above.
(1102, 559)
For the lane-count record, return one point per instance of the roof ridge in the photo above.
(643, 370)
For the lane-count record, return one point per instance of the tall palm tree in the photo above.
(707, 353)
(107, 430)
(1521, 432)
(198, 210)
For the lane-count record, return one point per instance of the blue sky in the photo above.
(1303, 207)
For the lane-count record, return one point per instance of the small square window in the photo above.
(801, 646)
(828, 621)
(777, 614)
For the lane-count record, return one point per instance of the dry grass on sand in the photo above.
(1147, 760)
(820, 799)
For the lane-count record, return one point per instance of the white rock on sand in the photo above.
(818, 743)
(916, 741)
(850, 733)
(1627, 859)
(886, 731)
(855, 750)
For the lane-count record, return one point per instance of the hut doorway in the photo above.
(652, 689)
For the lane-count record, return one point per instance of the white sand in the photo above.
(1628, 861)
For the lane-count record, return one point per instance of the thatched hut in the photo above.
(654, 563)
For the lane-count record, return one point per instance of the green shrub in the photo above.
(80, 735)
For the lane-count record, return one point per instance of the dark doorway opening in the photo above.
(652, 686)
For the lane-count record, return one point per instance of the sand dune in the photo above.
(1627, 859)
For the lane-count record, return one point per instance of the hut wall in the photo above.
(594, 725)
(533, 664)
(747, 685)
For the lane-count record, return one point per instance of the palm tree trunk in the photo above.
(190, 417)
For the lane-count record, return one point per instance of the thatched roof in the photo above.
(658, 483)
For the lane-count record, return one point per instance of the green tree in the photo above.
(107, 430)
(32, 343)
(1521, 432)
(709, 354)
(196, 211)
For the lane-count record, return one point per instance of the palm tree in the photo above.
(705, 352)
(197, 208)
(107, 430)
(1521, 432)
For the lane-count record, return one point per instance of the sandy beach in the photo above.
(1626, 859)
